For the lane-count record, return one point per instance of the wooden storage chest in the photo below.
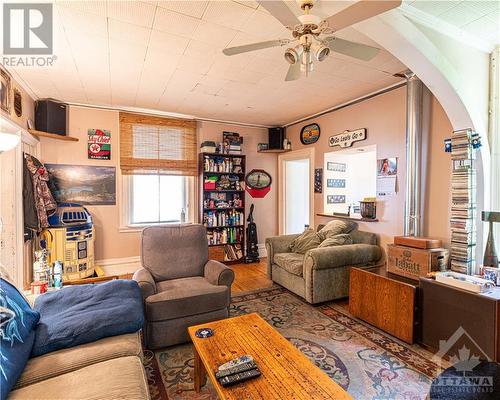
(415, 263)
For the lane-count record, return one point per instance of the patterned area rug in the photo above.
(366, 362)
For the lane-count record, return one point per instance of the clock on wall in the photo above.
(258, 183)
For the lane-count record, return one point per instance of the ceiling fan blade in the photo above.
(352, 49)
(280, 11)
(360, 11)
(293, 72)
(231, 51)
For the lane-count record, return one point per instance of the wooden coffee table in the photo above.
(286, 372)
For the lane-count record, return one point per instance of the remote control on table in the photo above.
(237, 369)
(237, 378)
(237, 361)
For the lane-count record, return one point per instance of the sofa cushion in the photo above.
(306, 241)
(291, 262)
(121, 378)
(68, 360)
(185, 296)
(336, 227)
(17, 335)
(82, 314)
(337, 240)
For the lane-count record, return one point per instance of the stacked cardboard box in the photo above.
(463, 209)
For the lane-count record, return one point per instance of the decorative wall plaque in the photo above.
(347, 138)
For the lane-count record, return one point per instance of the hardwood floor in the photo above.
(250, 276)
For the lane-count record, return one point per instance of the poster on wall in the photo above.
(83, 184)
(387, 166)
(99, 144)
(387, 169)
(318, 180)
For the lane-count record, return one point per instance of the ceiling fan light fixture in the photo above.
(320, 51)
(293, 55)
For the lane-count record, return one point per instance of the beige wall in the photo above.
(384, 118)
(110, 242)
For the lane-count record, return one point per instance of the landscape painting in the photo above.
(84, 184)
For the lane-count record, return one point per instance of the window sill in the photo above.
(139, 227)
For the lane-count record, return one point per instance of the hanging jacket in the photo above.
(44, 201)
(29, 209)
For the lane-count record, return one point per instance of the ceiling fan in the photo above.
(310, 40)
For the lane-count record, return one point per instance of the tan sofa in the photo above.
(106, 369)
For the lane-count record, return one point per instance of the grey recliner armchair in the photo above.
(180, 286)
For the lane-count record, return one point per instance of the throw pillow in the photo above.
(17, 335)
(306, 241)
(337, 227)
(337, 240)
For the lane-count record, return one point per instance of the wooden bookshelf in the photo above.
(49, 135)
(224, 220)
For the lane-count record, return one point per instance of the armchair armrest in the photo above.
(339, 256)
(146, 282)
(218, 274)
(275, 245)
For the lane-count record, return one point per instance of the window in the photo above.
(158, 199)
(158, 161)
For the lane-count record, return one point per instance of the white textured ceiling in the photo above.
(479, 18)
(167, 55)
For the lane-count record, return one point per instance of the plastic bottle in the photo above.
(183, 216)
(57, 274)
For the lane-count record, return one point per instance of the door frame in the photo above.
(290, 156)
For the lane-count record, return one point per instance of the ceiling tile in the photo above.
(435, 7)
(460, 15)
(228, 14)
(167, 43)
(214, 34)
(264, 25)
(92, 7)
(133, 12)
(127, 33)
(191, 8)
(172, 22)
(248, 3)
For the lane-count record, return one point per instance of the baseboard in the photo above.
(119, 266)
(262, 250)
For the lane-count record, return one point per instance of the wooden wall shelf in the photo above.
(274, 151)
(346, 217)
(34, 132)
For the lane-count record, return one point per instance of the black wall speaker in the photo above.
(50, 116)
(276, 137)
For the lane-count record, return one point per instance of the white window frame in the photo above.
(125, 209)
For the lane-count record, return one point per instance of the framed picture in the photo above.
(318, 180)
(5, 88)
(335, 199)
(335, 166)
(83, 184)
(310, 134)
(335, 183)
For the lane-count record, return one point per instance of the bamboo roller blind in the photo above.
(150, 145)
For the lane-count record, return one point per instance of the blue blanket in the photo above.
(81, 314)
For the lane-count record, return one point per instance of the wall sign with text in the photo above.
(347, 138)
(99, 144)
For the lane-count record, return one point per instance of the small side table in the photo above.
(385, 300)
